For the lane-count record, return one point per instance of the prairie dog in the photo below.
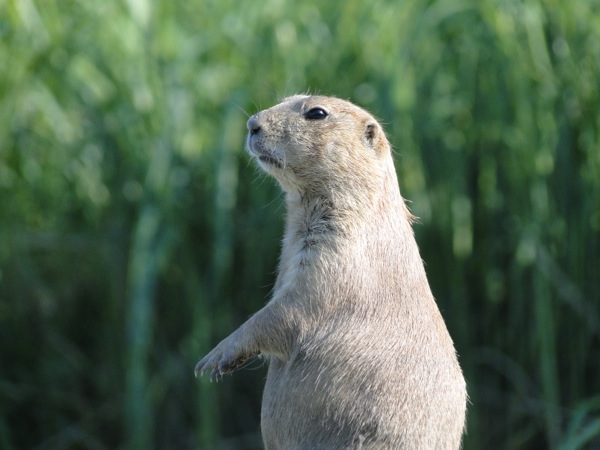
(359, 355)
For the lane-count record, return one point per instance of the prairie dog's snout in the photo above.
(253, 125)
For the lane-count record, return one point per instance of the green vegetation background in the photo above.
(135, 233)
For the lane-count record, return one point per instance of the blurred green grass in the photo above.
(136, 234)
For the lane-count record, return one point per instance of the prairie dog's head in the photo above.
(318, 145)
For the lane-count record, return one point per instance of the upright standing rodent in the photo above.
(359, 356)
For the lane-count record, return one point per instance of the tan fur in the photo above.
(359, 356)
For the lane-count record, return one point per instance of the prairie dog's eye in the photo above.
(316, 114)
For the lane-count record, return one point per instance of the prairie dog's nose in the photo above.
(253, 125)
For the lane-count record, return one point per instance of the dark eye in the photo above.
(316, 114)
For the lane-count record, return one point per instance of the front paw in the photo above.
(223, 359)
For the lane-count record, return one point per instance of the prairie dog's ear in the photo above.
(375, 137)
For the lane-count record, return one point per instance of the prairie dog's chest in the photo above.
(309, 237)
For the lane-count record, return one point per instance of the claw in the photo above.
(198, 370)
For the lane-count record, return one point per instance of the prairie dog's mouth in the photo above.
(263, 155)
(268, 159)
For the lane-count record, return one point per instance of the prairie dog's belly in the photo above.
(342, 396)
